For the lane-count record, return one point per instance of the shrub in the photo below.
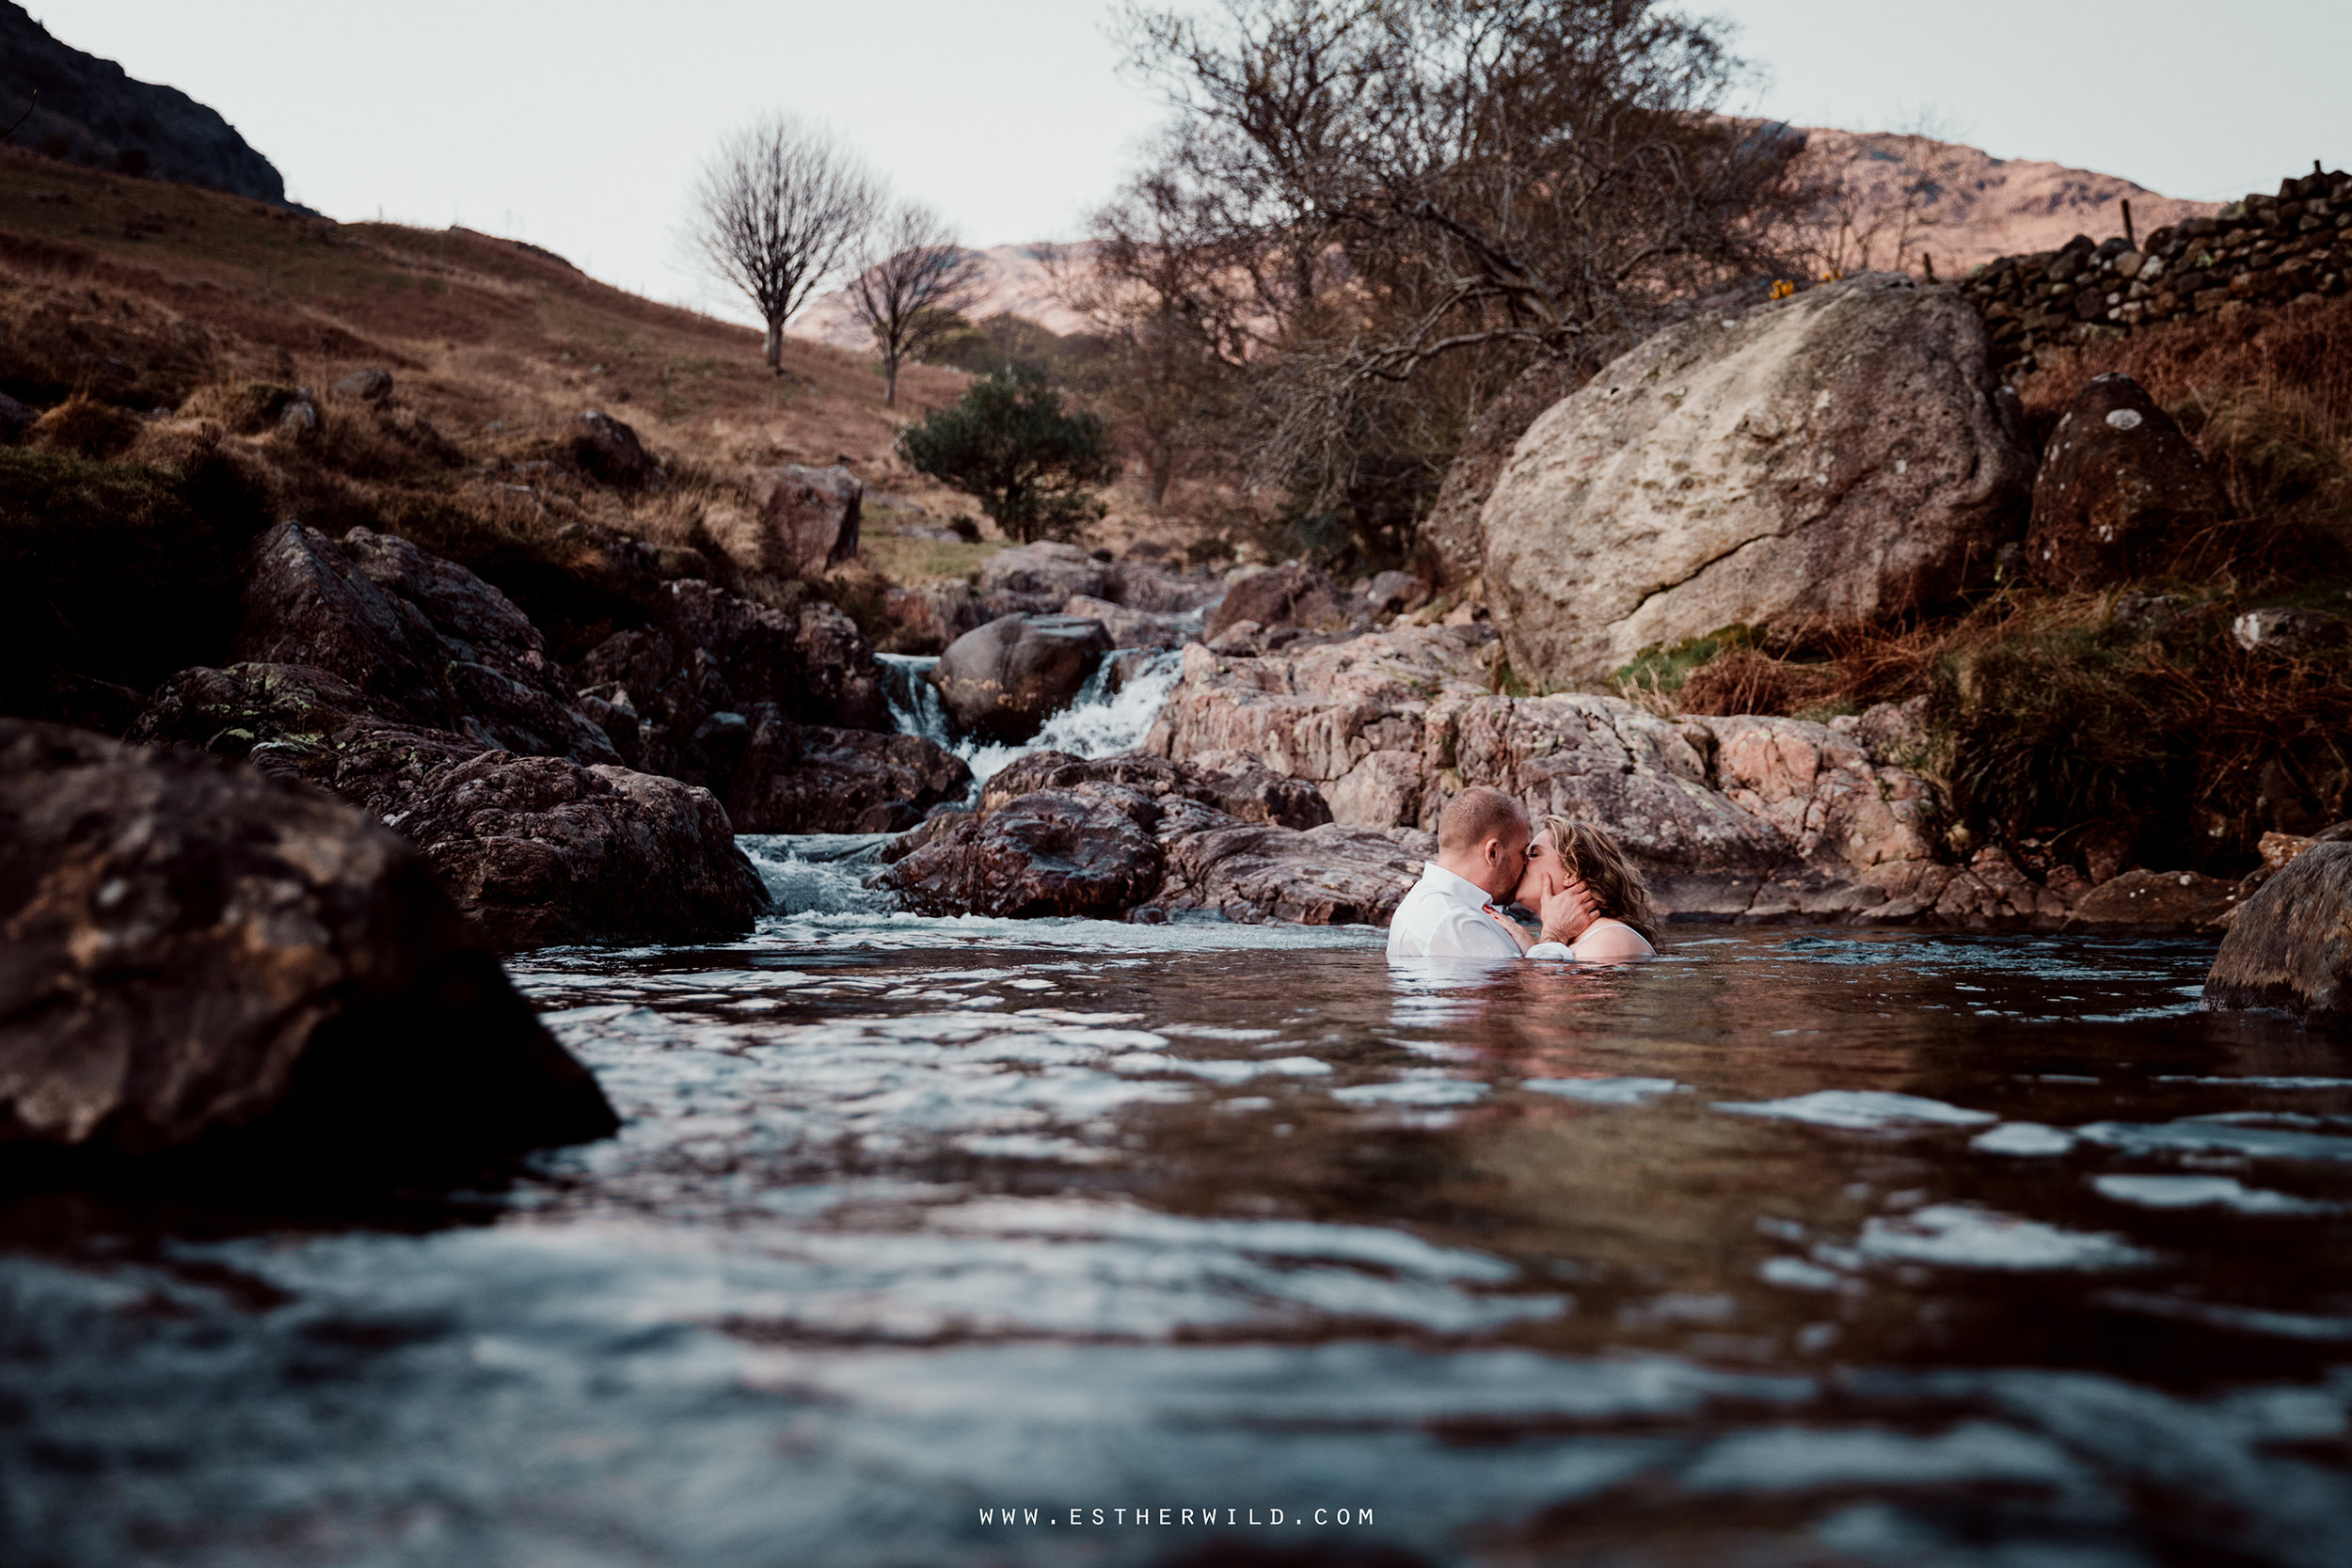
(1011, 445)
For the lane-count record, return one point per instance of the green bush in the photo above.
(1011, 445)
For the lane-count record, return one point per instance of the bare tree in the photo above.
(777, 210)
(913, 288)
(1429, 180)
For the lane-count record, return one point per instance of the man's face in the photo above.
(1504, 861)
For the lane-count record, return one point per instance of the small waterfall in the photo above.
(1096, 723)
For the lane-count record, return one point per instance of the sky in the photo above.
(578, 126)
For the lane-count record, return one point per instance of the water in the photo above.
(1788, 1247)
(1098, 722)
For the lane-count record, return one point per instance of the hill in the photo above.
(92, 112)
(1024, 280)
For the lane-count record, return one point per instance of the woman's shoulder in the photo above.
(1612, 939)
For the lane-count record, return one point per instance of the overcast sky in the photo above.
(575, 126)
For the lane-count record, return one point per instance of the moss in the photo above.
(1660, 670)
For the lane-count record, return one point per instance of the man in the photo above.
(1452, 913)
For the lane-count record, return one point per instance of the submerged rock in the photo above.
(2291, 944)
(1006, 679)
(190, 949)
(2154, 901)
(1830, 459)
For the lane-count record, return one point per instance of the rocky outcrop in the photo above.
(1138, 837)
(190, 951)
(91, 112)
(1289, 595)
(1829, 459)
(795, 779)
(1742, 817)
(1037, 580)
(2291, 944)
(538, 849)
(2155, 901)
(1451, 540)
(1005, 679)
(809, 518)
(1134, 628)
(2119, 483)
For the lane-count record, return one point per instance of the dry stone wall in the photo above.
(2266, 251)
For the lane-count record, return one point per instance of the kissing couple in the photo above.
(1591, 899)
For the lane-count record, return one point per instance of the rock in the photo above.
(821, 780)
(299, 421)
(1005, 679)
(1037, 580)
(2155, 900)
(2291, 944)
(1232, 784)
(610, 450)
(2117, 484)
(1238, 640)
(371, 385)
(1140, 585)
(537, 854)
(1892, 735)
(1453, 542)
(15, 418)
(929, 615)
(809, 517)
(2288, 632)
(1291, 596)
(1245, 787)
(1326, 876)
(193, 951)
(1741, 817)
(541, 850)
(1134, 628)
(1828, 460)
(1395, 593)
(426, 640)
(1051, 852)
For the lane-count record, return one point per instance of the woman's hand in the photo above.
(1569, 911)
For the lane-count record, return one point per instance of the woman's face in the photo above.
(1545, 874)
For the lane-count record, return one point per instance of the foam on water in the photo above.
(1097, 724)
(1862, 1110)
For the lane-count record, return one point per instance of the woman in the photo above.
(1562, 852)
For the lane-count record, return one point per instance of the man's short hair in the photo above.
(1475, 815)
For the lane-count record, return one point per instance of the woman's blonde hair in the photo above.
(1615, 882)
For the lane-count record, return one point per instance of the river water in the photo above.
(976, 1242)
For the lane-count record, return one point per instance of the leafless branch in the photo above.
(777, 211)
(912, 287)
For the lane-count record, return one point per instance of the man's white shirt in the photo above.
(1444, 916)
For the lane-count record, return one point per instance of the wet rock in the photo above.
(1243, 786)
(1005, 679)
(815, 779)
(371, 385)
(608, 449)
(1051, 852)
(1326, 876)
(541, 850)
(810, 516)
(1291, 596)
(2291, 944)
(1140, 771)
(537, 853)
(2156, 902)
(191, 950)
(2119, 483)
(306, 603)
(1830, 459)
(1037, 580)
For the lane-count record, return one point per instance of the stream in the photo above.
(982, 1241)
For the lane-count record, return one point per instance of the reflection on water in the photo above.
(1785, 1248)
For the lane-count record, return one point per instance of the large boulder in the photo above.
(189, 950)
(1037, 580)
(542, 850)
(1831, 459)
(608, 449)
(809, 517)
(2291, 944)
(1006, 679)
(815, 779)
(1291, 596)
(1134, 628)
(2119, 483)
(427, 640)
(1325, 876)
(538, 849)
(2154, 901)
(927, 616)
(1085, 852)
